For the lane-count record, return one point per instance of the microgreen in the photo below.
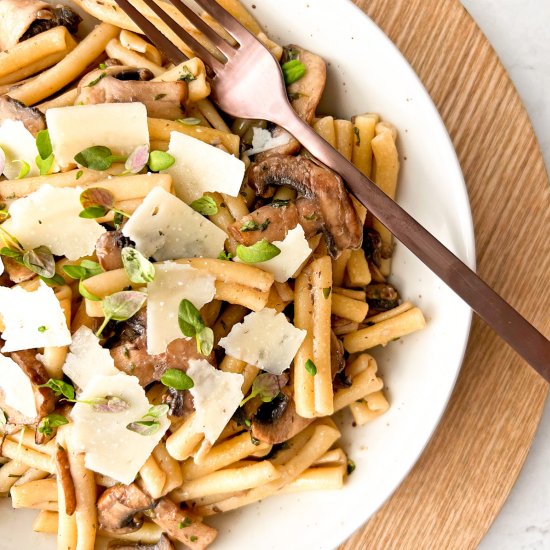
(107, 404)
(159, 160)
(149, 427)
(59, 387)
(47, 425)
(310, 367)
(192, 326)
(137, 266)
(138, 159)
(223, 255)
(25, 169)
(177, 379)
(293, 70)
(266, 386)
(40, 260)
(205, 205)
(96, 80)
(186, 75)
(120, 306)
(44, 160)
(157, 411)
(86, 269)
(258, 252)
(97, 157)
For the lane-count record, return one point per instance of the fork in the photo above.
(247, 82)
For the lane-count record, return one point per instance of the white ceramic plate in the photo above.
(366, 73)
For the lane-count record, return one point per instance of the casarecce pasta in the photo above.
(186, 299)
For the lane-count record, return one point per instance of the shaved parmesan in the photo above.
(173, 283)
(32, 319)
(216, 396)
(119, 126)
(265, 339)
(166, 228)
(49, 217)
(87, 358)
(18, 144)
(294, 252)
(200, 167)
(262, 140)
(17, 388)
(110, 447)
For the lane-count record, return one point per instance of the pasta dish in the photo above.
(186, 299)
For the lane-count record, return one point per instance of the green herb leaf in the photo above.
(75, 271)
(43, 328)
(186, 75)
(326, 292)
(159, 160)
(350, 467)
(223, 255)
(97, 157)
(205, 341)
(44, 165)
(117, 220)
(79, 174)
(56, 280)
(93, 212)
(205, 205)
(91, 267)
(176, 379)
(144, 427)
(102, 66)
(108, 404)
(185, 523)
(25, 169)
(47, 425)
(97, 196)
(279, 203)
(266, 386)
(293, 70)
(157, 411)
(137, 266)
(15, 254)
(120, 306)
(189, 319)
(252, 225)
(159, 96)
(258, 252)
(95, 81)
(137, 160)
(357, 136)
(311, 368)
(193, 538)
(84, 292)
(40, 260)
(44, 144)
(59, 387)
(189, 121)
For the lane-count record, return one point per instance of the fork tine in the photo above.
(170, 50)
(231, 25)
(193, 44)
(203, 27)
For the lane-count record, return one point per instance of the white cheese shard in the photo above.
(32, 319)
(166, 228)
(216, 396)
(50, 217)
(119, 126)
(262, 141)
(18, 144)
(265, 339)
(294, 252)
(110, 447)
(17, 388)
(201, 167)
(173, 283)
(86, 358)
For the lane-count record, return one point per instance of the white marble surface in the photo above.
(519, 30)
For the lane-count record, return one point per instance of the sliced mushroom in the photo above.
(306, 92)
(332, 205)
(120, 507)
(179, 401)
(337, 361)
(23, 19)
(381, 297)
(182, 526)
(130, 352)
(108, 249)
(163, 543)
(63, 472)
(122, 84)
(12, 109)
(278, 421)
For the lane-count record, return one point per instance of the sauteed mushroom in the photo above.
(162, 544)
(108, 249)
(11, 109)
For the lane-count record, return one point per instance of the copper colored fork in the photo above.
(247, 82)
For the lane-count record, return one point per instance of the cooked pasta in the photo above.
(180, 321)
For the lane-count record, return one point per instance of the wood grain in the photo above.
(461, 481)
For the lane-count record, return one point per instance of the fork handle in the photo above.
(495, 311)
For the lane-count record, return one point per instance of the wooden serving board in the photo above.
(461, 481)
